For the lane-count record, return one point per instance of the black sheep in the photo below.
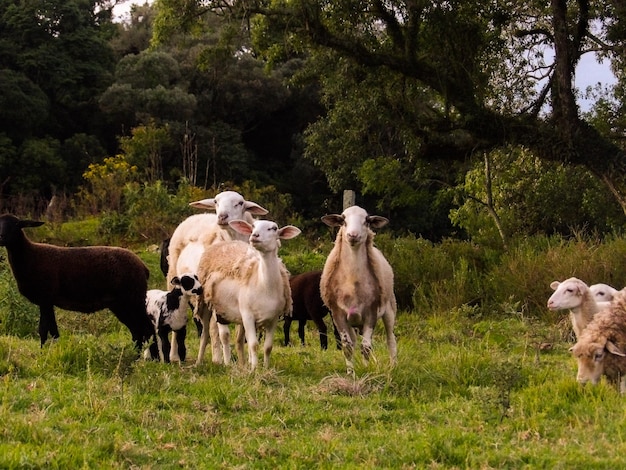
(82, 279)
(308, 305)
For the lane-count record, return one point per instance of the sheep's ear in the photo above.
(29, 223)
(288, 232)
(204, 204)
(554, 285)
(333, 220)
(175, 281)
(254, 208)
(241, 226)
(377, 221)
(613, 349)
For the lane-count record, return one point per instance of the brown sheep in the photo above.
(357, 283)
(601, 347)
(82, 279)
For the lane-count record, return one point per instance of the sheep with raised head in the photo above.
(247, 284)
(601, 347)
(357, 283)
(308, 305)
(168, 312)
(574, 295)
(83, 279)
(602, 292)
(201, 230)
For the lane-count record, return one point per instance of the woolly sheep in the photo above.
(168, 312)
(198, 231)
(247, 284)
(357, 283)
(83, 279)
(602, 292)
(601, 347)
(574, 295)
(308, 305)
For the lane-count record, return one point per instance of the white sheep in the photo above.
(601, 347)
(574, 295)
(357, 283)
(603, 292)
(198, 231)
(168, 312)
(247, 284)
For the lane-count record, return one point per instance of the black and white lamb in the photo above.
(82, 279)
(168, 312)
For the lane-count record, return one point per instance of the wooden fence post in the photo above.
(349, 198)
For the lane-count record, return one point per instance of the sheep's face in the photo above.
(567, 294)
(229, 205)
(590, 359)
(11, 228)
(265, 235)
(189, 283)
(356, 224)
(602, 292)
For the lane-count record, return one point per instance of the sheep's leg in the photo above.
(269, 341)
(224, 337)
(323, 331)
(249, 326)
(301, 326)
(205, 316)
(286, 329)
(240, 335)
(164, 344)
(348, 338)
(216, 348)
(47, 323)
(178, 351)
(173, 353)
(389, 319)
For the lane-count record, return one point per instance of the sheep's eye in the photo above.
(598, 356)
(569, 291)
(240, 203)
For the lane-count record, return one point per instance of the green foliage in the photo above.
(104, 184)
(532, 196)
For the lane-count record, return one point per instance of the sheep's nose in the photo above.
(353, 237)
(222, 219)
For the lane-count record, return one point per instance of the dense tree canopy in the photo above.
(420, 106)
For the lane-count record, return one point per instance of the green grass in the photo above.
(464, 394)
(474, 387)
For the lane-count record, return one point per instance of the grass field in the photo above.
(466, 393)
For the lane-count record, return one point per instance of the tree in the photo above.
(462, 54)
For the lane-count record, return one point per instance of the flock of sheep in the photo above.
(598, 316)
(225, 265)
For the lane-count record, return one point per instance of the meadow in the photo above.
(475, 386)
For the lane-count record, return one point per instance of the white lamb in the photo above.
(574, 295)
(248, 284)
(603, 292)
(357, 283)
(201, 230)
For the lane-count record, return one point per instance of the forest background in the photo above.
(459, 122)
